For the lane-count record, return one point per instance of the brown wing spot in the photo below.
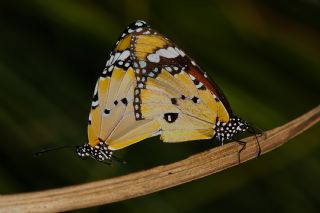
(124, 101)
(174, 101)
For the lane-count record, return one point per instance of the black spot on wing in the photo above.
(95, 97)
(195, 99)
(170, 117)
(124, 101)
(106, 111)
(174, 101)
(95, 102)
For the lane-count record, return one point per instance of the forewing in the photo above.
(112, 117)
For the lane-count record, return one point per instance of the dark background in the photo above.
(265, 55)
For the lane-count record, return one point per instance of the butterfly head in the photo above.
(227, 130)
(100, 152)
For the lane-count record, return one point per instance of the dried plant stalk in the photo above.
(155, 179)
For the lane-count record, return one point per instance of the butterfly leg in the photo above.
(253, 131)
(109, 161)
(105, 162)
(243, 144)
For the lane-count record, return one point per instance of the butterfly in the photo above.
(151, 87)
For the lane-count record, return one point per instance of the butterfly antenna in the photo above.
(118, 159)
(39, 153)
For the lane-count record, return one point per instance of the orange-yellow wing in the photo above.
(112, 118)
(172, 90)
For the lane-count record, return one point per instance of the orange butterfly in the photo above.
(150, 87)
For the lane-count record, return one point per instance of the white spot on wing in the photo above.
(110, 60)
(168, 53)
(110, 68)
(139, 23)
(192, 77)
(142, 64)
(95, 103)
(180, 51)
(116, 56)
(124, 55)
(153, 58)
(199, 85)
(168, 69)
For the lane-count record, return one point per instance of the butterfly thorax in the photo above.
(100, 152)
(225, 131)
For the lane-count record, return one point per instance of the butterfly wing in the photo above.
(183, 112)
(151, 87)
(112, 118)
(173, 90)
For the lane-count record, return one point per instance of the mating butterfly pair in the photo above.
(150, 87)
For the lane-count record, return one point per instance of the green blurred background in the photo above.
(265, 55)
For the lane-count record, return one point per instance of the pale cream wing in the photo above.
(182, 111)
